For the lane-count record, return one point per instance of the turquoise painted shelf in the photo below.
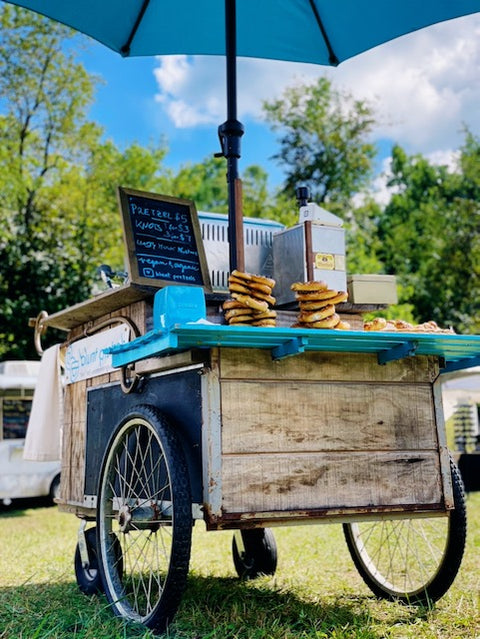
(456, 351)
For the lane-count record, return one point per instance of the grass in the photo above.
(316, 592)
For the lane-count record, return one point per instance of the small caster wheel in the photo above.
(254, 552)
(88, 576)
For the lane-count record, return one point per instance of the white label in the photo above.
(86, 358)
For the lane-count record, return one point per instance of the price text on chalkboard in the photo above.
(163, 239)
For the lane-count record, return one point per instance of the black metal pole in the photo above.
(230, 133)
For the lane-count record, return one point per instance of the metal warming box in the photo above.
(258, 238)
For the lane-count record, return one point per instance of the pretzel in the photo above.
(241, 275)
(377, 324)
(264, 315)
(316, 316)
(251, 302)
(264, 322)
(239, 312)
(238, 288)
(342, 296)
(308, 287)
(343, 326)
(240, 319)
(328, 322)
(259, 279)
(228, 304)
(261, 296)
(316, 295)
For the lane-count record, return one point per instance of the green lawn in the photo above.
(316, 591)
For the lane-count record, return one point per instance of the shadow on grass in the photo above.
(18, 506)
(212, 607)
(228, 607)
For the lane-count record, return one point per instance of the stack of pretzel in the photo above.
(317, 306)
(252, 300)
(382, 324)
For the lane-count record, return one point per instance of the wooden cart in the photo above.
(248, 428)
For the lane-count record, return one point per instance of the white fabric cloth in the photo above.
(44, 433)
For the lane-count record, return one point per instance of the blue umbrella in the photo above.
(323, 32)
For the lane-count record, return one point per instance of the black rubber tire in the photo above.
(260, 556)
(88, 577)
(444, 536)
(144, 501)
(54, 492)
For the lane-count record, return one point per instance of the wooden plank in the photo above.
(243, 363)
(98, 380)
(77, 467)
(99, 306)
(300, 416)
(73, 444)
(289, 482)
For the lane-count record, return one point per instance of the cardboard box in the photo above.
(372, 289)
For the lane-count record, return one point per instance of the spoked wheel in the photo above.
(254, 552)
(144, 503)
(412, 560)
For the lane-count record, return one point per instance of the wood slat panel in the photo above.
(269, 483)
(97, 307)
(242, 363)
(296, 416)
(73, 442)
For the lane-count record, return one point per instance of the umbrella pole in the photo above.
(230, 133)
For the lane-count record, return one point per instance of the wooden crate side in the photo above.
(265, 483)
(73, 442)
(305, 417)
(257, 364)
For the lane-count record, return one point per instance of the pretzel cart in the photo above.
(248, 428)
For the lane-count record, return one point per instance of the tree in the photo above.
(58, 209)
(323, 138)
(430, 236)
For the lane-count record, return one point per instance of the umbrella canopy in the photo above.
(317, 31)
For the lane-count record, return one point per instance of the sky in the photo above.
(424, 87)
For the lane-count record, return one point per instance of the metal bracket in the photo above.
(82, 544)
(466, 362)
(399, 351)
(289, 348)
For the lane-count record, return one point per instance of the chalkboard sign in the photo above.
(163, 239)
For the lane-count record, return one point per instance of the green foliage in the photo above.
(323, 139)
(59, 217)
(430, 236)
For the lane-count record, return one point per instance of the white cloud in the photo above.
(425, 85)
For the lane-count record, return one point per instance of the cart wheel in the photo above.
(54, 492)
(144, 502)
(258, 556)
(88, 577)
(412, 560)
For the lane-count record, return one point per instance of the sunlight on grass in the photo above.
(315, 593)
